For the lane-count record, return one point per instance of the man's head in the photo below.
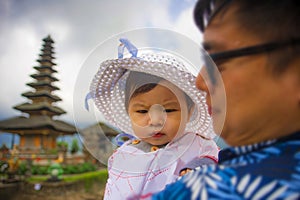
(255, 45)
(270, 21)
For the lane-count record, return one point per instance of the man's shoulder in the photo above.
(270, 170)
(228, 182)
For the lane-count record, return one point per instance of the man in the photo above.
(255, 46)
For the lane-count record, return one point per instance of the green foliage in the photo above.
(4, 147)
(89, 178)
(3, 167)
(22, 169)
(62, 145)
(87, 167)
(39, 170)
(70, 169)
(74, 146)
(37, 179)
(54, 151)
(44, 170)
(80, 168)
(55, 170)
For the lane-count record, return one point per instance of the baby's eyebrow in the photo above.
(172, 103)
(139, 105)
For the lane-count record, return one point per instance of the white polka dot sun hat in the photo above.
(107, 88)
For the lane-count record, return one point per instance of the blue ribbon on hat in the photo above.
(120, 138)
(87, 98)
(125, 43)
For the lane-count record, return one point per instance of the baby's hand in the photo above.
(184, 171)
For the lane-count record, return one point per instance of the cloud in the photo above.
(77, 27)
(14, 66)
(186, 26)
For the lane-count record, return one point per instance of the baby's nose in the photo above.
(157, 114)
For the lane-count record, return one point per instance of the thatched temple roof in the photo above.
(36, 122)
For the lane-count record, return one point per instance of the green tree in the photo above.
(74, 146)
(62, 145)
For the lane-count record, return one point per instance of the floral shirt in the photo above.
(267, 170)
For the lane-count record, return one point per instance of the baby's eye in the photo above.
(170, 110)
(142, 111)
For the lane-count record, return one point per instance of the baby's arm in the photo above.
(208, 154)
(196, 162)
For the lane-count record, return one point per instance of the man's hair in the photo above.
(270, 20)
(140, 83)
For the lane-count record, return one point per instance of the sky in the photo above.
(77, 27)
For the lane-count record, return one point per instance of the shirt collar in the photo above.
(232, 152)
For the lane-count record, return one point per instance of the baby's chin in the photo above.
(156, 142)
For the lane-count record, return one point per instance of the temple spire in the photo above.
(42, 97)
(37, 129)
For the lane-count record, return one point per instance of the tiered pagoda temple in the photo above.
(37, 128)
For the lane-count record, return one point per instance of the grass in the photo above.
(37, 178)
(92, 183)
(89, 178)
(100, 175)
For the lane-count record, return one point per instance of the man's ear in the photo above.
(298, 72)
(299, 83)
(299, 96)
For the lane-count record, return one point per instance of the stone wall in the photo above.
(85, 190)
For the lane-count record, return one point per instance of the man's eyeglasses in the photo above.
(246, 51)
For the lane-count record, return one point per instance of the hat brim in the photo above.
(108, 85)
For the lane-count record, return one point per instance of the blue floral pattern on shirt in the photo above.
(267, 170)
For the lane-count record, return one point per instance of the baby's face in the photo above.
(159, 115)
